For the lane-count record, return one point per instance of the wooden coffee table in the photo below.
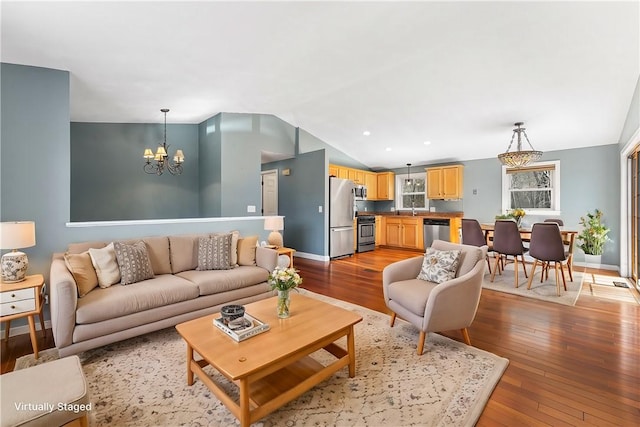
(274, 367)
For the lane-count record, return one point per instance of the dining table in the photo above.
(568, 237)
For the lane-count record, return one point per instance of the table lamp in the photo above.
(275, 224)
(18, 234)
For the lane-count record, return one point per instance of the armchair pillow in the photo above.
(214, 252)
(439, 266)
(134, 262)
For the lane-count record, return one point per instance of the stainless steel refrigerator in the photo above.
(341, 215)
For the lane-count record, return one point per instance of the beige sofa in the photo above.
(177, 293)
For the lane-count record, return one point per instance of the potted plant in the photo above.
(593, 237)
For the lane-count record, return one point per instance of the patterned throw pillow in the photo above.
(134, 262)
(439, 266)
(214, 252)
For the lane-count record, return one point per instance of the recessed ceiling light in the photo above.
(366, 133)
(427, 143)
(388, 149)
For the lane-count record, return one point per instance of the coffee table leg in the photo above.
(189, 361)
(351, 348)
(244, 403)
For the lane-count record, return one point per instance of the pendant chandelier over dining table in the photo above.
(519, 158)
(159, 162)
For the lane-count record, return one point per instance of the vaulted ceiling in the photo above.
(455, 74)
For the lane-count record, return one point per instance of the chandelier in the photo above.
(520, 158)
(158, 162)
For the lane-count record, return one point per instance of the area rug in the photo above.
(142, 381)
(545, 291)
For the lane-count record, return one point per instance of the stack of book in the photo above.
(242, 328)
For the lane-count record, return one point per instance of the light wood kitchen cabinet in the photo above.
(445, 182)
(379, 231)
(403, 232)
(386, 185)
(380, 186)
(371, 182)
(393, 229)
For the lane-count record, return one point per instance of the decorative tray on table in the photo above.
(241, 328)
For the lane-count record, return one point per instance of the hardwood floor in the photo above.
(568, 365)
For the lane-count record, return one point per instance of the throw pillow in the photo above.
(439, 266)
(134, 262)
(247, 250)
(82, 271)
(214, 252)
(105, 264)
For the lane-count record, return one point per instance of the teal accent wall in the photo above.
(244, 137)
(210, 159)
(300, 194)
(107, 177)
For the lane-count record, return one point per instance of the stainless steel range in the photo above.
(366, 233)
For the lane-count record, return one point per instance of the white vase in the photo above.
(593, 261)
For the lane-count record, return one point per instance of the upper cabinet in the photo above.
(445, 182)
(386, 185)
(380, 186)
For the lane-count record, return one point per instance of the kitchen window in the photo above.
(534, 188)
(406, 193)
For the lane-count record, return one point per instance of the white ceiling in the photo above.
(458, 74)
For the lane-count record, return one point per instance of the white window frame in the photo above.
(398, 198)
(555, 207)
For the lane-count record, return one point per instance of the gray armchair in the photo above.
(433, 307)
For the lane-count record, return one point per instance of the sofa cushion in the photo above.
(83, 272)
(159, 255)
(214, 252)
(214, 281)
(106, 266)
(247, 250)
(118, 300)
(133, 261)
(439, 266)
(184, 252)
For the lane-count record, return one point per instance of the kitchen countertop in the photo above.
(418, 214)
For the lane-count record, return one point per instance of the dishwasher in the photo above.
(435, 229)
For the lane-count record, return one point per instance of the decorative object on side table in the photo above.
(284, 279)
(593, 237)
(14, 235)
(515, 214)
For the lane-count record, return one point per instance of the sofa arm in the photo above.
(400, 270)
(63, 300)
(266, 258)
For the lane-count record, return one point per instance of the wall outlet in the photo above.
(251, 208)
(320, 208)
(475, 191)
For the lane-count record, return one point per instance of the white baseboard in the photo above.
(311, 256)
(23, 329)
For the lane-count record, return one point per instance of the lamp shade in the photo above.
(18, 234)
(273, 223)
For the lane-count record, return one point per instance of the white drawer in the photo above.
(20, 294)
(15, 307)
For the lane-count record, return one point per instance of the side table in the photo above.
(288, 252)
(23, 299)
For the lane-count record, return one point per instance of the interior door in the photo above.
(270, 193)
